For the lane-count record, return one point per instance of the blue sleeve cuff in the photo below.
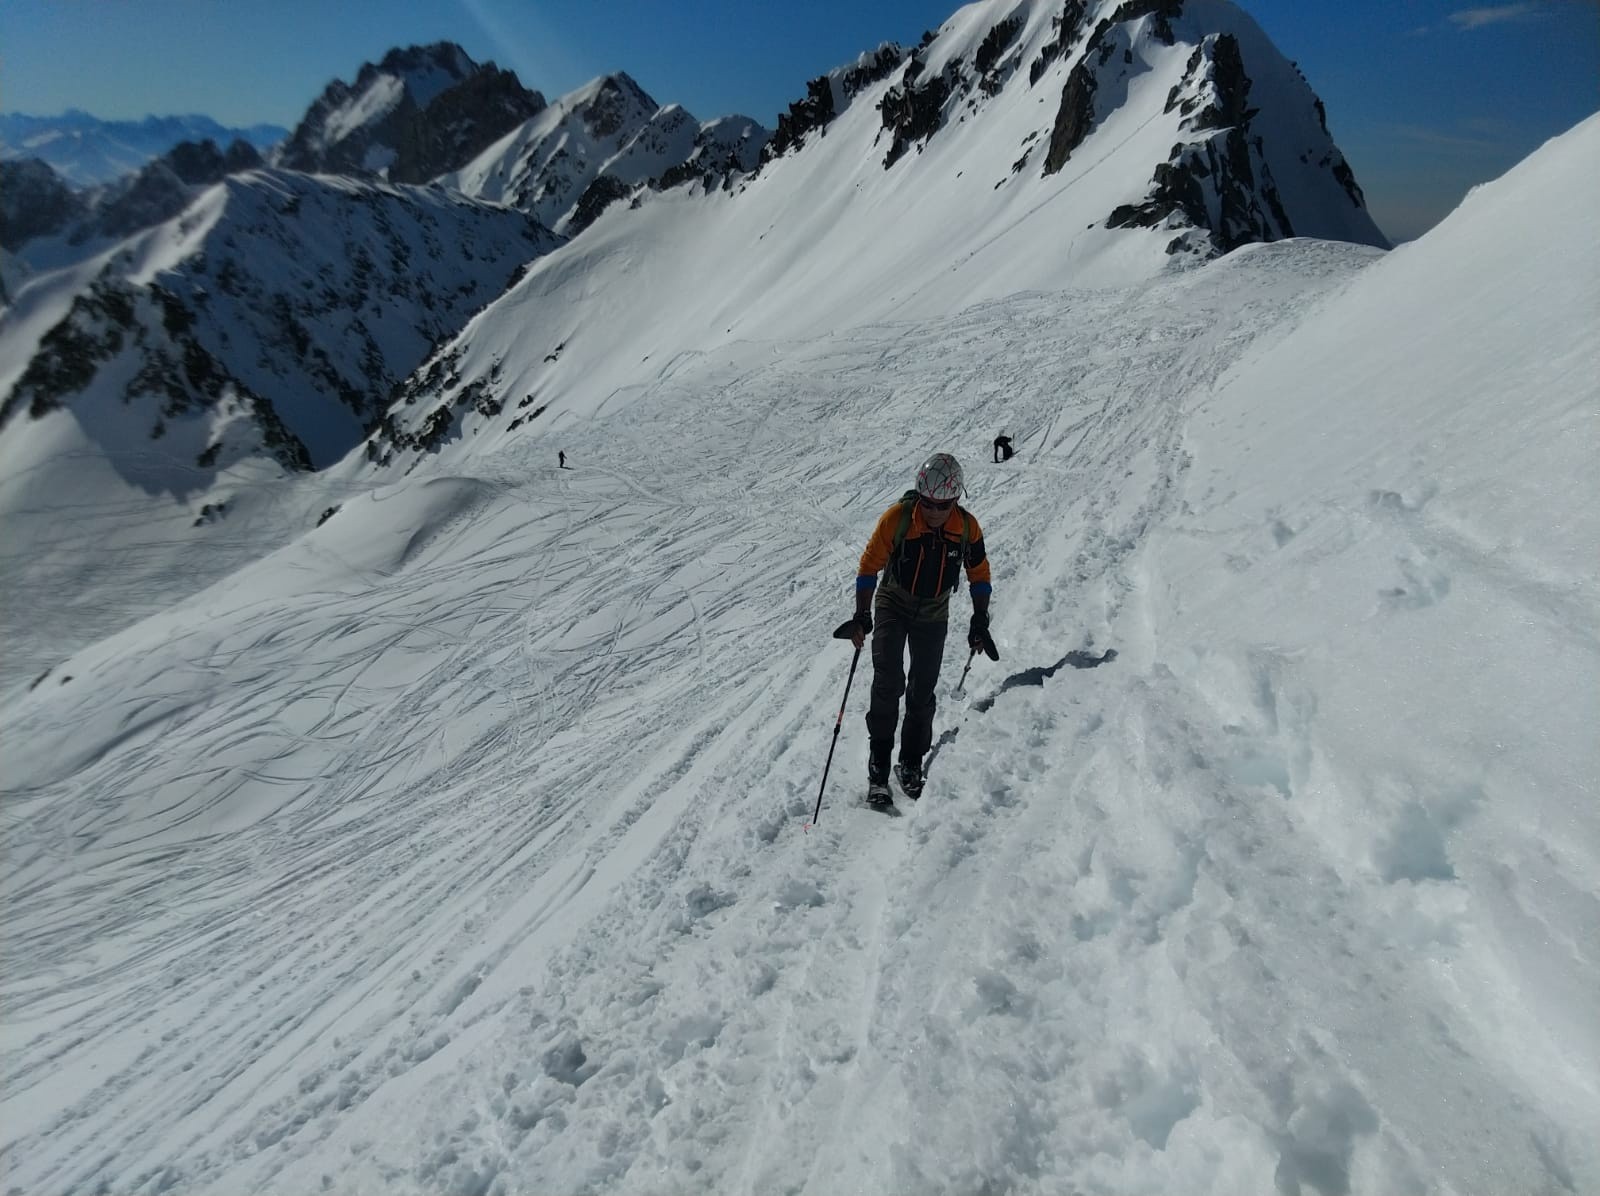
(981, 587)
(866, 581)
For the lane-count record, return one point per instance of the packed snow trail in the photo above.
(478, 864)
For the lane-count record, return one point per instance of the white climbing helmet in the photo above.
(939, 479)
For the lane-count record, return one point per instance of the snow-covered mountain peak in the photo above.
(1227, 139)
(597, 144)
(1022, 146)
(417, 113)
(424, 71)
(609, 104)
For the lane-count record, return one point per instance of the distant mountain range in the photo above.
(85, 150)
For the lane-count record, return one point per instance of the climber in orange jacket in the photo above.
(921, 545)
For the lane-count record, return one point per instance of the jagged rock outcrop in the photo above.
(161, 189)
(201, 162)
(827, 96)
(723, 149)
(597, 196)
(34, 202)
(604, 142)
(913, 111)
(1247, 206)
(155, 194)
(811, 112)
(1067, 26)
(1218, 181)
(1108, 56)
(421, 112)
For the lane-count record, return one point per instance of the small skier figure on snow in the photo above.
(921, 545)
(561, 459)
(1002, 449)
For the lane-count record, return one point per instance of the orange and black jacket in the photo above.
(921, 573)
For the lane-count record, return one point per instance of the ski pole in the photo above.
(964, 671)
(837, 724)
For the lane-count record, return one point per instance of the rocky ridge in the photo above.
(258, 338)
(420, 112)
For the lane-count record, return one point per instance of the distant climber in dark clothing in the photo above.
(1002, 449)
(561, 459)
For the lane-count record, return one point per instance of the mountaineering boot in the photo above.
(878, 783)
(910, 777)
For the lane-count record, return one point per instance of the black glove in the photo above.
(978, 637)
(861, 621)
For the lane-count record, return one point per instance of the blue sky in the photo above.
(1425, 97)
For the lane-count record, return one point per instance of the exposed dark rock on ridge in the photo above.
(201, 162)
(821, 103)
(1068, 26)
(1247, 208)
(722, 150)
(1217, 183)
(913, 112)
(237, 347)
(615, 104)
(1076, 118)
(34, 202)
(113, 317)
(446, 110)
(597, 196)
(804, 115)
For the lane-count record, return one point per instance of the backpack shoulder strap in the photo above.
(908, 502)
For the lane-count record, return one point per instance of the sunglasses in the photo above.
(938, 506)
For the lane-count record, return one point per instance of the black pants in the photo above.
(892, 632)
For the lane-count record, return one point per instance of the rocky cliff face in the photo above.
(420, 112)
(1250, 156)
(1218, 182)
(262, 338)
(32, 205)
(828, 95)
(34, 202)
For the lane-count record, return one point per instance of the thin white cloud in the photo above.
(1477, 18)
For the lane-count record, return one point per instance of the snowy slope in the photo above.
(827, 237)
(460, 844)
(273, 319)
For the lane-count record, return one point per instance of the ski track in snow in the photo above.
(525, 882)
